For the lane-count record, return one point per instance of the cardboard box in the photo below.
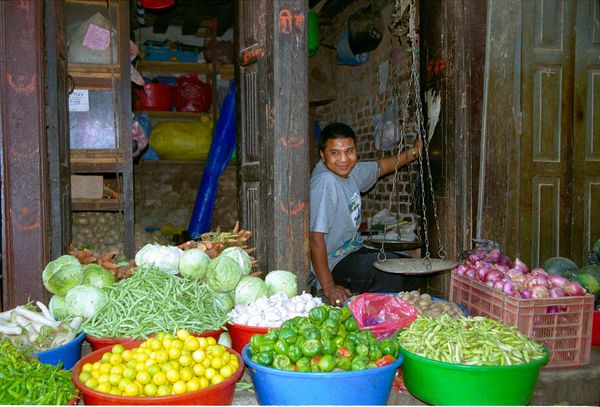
(87, 186)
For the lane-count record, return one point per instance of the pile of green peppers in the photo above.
(327, 340)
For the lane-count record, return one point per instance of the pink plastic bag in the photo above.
(383, 314)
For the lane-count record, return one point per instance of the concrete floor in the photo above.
(566, 386)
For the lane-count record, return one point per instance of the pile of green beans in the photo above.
(24, 380)
(151, 301)
(475, 341)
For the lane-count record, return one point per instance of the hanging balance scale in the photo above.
(425, 265)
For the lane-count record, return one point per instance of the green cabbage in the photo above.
(281, 281)
(224, 301)
(193, 264)
(97, 276)
(57, 306)
(249, 289)
(240, 256)
(166, 258)
(223, 274)
(85, 301)
(62, 274)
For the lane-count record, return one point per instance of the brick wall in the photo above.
(359, 99)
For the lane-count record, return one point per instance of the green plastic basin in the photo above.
(444, 383)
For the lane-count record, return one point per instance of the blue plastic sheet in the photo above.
(221, 149)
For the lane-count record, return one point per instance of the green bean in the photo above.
(151, 301)
(469, 340)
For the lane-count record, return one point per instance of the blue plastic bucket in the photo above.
(68, 353)
(285, 387)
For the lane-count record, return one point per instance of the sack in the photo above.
(383, 314)
(183, 140)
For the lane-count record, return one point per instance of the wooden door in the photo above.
(540, 175)
(57, 129)
(272, 103)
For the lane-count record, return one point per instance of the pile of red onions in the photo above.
(513, 278)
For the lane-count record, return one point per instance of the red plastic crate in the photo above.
(566, 333)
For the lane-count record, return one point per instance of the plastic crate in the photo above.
(563, 325)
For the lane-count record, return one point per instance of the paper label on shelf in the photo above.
(97, 38)
(79, 101)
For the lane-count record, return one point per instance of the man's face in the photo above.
(339, 156)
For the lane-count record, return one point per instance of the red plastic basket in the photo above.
(563, 325)
(596, 328)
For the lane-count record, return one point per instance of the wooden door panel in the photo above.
(545, 143)
(586, 125)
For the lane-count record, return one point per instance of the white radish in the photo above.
(36, 317)
(45, 310)
(10, 330)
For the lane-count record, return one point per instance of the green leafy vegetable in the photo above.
(193, 264)
(97, 276)
(166, 258)
(249, 289)
(281, 281)
(223, 274)
(240, 256)
(62, 274)
(85, 300)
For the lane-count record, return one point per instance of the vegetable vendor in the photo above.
(341, 265)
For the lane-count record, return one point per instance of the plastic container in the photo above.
(241, 334)
(563, 325)
(67, 354)
(596, 328)
(444, 383)
(286, 387)
(99, 343)
(219, 394)
(156, 96)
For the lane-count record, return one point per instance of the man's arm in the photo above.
(388, 165)
(318, 253)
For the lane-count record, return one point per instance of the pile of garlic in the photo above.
(272, 311)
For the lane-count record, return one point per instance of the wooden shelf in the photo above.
(165, 67)
(84, 161)
(106, 205)
(162, 114)
(94, 70)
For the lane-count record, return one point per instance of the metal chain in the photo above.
(424, 139)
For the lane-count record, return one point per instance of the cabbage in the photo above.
(57, 306)
(224, 301)
(281, 281)
(62, 274)
(85, 300)
(97, 276)
(193, 264)
(223, 274)
(240, 256)
(249, 289)
(166, 258)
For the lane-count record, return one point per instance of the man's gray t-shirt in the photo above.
(335, 206)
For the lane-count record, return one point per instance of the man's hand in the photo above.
(336, 294)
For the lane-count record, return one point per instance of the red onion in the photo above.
(501, 268)
(539, 291)
(493, 275)
(460, 270)
(573, 289)
(511, 273)
(552, 309)
(519, 265)
(526, 294)
(499, 283)
(556, 292)
(557, 280)
(493, 256)
(538, 271)
(470, 273)
(535, 280)
(519, 279)
(476, 255)
(509, 288)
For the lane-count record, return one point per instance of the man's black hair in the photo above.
(333, 131)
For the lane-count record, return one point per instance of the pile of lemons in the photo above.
(163, 365)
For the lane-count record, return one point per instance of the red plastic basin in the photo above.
(220, 394)
(156, 96)
(596, 328)
(98, 343)
(241, 334)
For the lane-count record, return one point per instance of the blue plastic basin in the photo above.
(285, 387)
(68, 354)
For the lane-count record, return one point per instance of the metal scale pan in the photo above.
(392, 245)
(410, 266)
